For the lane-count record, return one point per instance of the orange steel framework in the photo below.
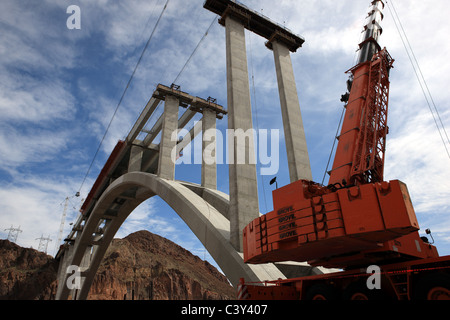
(360, 153)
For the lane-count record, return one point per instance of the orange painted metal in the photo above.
(297, 288)
(360, 152)
(322, 229)
(350, 126)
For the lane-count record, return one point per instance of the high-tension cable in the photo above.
(195, 50)
(417, 71)
(124, 92)
(256, 111)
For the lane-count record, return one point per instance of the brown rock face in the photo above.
(144, 266)
(141, 266)
(26, 274)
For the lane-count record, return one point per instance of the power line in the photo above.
(256, 112)
(141, 36)
(334, 144)
(185, 65)
(417, 71)
(195, 50)
(124, 92)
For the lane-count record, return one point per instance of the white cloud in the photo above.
(38, 146)
(27, 99)
(416, 154)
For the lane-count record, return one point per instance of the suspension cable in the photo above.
(334, 143)
(123, 94)
(256, 111)
(186, 63)
(195, 50)
(417, 70)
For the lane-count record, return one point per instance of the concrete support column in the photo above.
(166, 165)
(244, 205)
(84, 266)
(86, 261)
(64, 263)
(297, 150)
(209, 163)
(135, 162)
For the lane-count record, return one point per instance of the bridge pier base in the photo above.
(64, 263)
(244, 206)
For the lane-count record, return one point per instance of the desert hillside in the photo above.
(141, 266)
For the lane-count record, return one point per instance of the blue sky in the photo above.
(60, 87)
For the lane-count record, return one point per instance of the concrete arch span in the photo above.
(208, 223)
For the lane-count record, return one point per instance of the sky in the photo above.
(60, 87)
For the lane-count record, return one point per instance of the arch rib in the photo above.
(205, 221)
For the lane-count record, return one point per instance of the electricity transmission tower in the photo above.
(43, 243)
(13, 233)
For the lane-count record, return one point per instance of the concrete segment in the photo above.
(136, 154)
(296, 147)
(244, 205)
(156, 129)
(65, 262)
(143, 118)
(209, 170)
(166, 165)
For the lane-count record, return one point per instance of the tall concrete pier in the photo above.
(242, 177)
(294, 133)
(243, 182)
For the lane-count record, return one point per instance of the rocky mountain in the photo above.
(141, 266)
(26, 273)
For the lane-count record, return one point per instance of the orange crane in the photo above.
(358, 222)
